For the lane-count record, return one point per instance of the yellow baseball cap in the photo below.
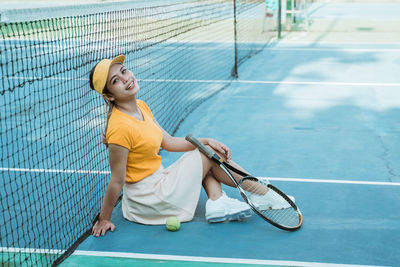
(100, 73)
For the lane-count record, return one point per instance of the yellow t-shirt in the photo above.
(142, 138)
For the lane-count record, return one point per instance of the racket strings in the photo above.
(288, 217)
(270, 203)
(254, 187)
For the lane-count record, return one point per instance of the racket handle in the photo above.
(205, 150)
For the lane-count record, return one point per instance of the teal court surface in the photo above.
(325, 127)
(321, 119)
(318, 113)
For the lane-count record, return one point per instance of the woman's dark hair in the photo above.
(91, 77)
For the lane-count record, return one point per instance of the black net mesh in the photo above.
(54, 168)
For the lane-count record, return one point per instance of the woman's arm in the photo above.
(118, 157)
(179, 144)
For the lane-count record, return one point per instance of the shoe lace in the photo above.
(230, 199)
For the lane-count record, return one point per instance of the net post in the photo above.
(293, 14)
(279, 18)
(235, 67)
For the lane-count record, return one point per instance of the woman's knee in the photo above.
(207, 164)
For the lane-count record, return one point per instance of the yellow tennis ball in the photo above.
(173, 223)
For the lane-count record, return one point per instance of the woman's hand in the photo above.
(101, 227)
(221, 148)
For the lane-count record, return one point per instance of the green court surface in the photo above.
(108, 261)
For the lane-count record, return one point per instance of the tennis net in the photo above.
(53, 165)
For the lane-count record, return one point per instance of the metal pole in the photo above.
(294, 8)
(235, 67)
(279, 18)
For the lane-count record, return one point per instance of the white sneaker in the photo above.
(226, 209)
(234, 205)
(271, 200)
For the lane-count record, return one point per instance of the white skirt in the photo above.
(173, 191)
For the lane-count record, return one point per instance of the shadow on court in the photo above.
(323, 114)
(312, 129)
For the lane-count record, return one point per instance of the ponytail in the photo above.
(110, 105)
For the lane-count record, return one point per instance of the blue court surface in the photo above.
(323, 121)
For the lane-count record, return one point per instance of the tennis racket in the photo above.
(265, 200)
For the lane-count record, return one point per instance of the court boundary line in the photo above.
(31, 250)
(53, 170)
(320, 83)
(276, 82)
(299, 42)
(205, 259)
(282, 179)
(327, 181)
(283, 48)
(239, 81)
(271, 46)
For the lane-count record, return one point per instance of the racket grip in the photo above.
(205, 150)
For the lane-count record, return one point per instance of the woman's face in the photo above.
(121, 82)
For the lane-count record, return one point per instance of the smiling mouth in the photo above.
(131, 85)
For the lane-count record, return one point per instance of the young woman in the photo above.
(150, 192)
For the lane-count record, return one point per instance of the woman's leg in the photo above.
(212, 187)
(220, 176)
(219, 207)
(217, 172)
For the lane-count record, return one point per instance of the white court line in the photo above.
(259, 44)
(176, 257)
(270, 178)
(228, 81)
(330, 181)
(52, 170)
(31, 250)
(279, 82)
(321, 83)
(304, 49)
(297, 42)
(206, 259)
